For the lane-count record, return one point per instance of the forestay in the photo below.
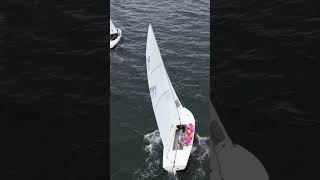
(164, 99)
(113, 29)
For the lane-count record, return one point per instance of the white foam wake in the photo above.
(152, 166)
(199, 157)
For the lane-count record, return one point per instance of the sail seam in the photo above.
(155, 69)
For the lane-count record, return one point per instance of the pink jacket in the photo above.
(188, 139)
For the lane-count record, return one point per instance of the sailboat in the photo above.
(230, 161)
(176, 123)
(115, 35)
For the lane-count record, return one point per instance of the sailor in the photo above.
(113, 36)
(188, 140)
(191, 127)
(179, 127)
(188, 137)
(183, 128)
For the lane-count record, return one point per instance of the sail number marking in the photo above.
(153, 91)
(148, 62)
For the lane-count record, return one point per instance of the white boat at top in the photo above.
(172, 118)
(115, 35)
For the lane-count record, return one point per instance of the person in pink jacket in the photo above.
(191, 127)
(188, 138)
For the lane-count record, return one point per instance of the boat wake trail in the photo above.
(197, 167)
(152, 166)
(172, 176)
(199, 162)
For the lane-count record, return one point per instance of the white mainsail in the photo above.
(113, 29)
(163, 97)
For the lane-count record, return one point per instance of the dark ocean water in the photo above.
(182, 31)
(53, 90)
(265, 79)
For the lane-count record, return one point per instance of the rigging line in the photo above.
(172, 93)
(169, 149)
(174, 156)
(174, 162)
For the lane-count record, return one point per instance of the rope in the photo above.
(178, 117)
(174, 157)
(174, 162)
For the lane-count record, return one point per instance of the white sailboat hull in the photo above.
(115, 42)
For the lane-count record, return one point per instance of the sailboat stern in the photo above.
(177, 157)
(177, 160)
